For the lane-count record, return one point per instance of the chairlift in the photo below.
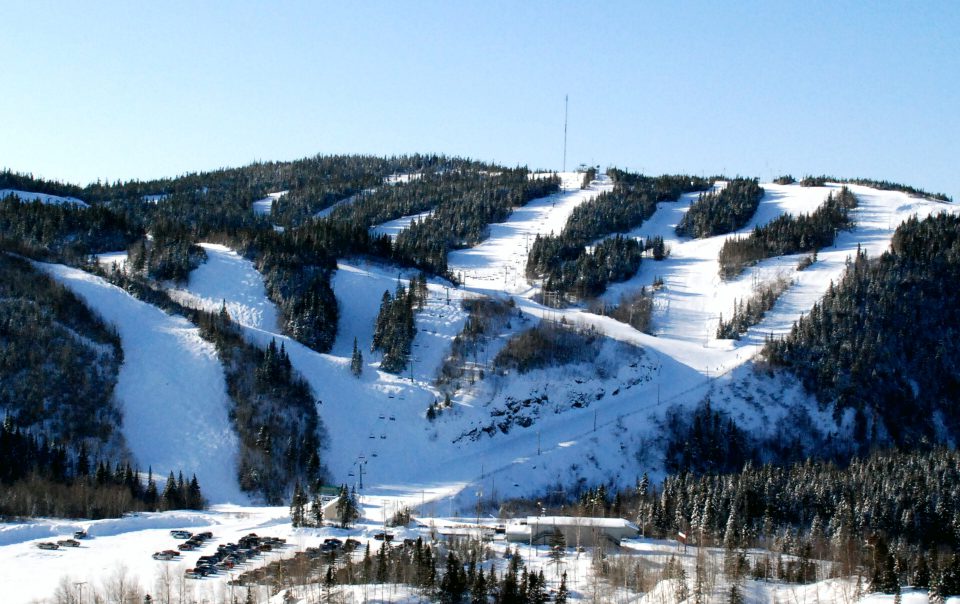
(393, 418)
(383, 436)
(382, 416)
(372, 436)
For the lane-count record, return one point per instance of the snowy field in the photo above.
(118, 553)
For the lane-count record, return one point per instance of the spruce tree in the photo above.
(298, 506)
(561, 597)
(356, 360)
(316, 511)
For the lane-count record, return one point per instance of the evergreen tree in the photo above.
(316, 511)
(171, 494)
(453, 585)
(150, 495)
(298, 506)
(478, 589)
(356, 360)
(194, 500)
(561, 597)
(347, 508)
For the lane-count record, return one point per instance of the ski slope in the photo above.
(263, 207)
(378, 421)
(498, 264)
(227, 278)
(170, 389)
(678, 365)
(27, 196)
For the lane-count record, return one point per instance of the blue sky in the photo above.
(139, 90)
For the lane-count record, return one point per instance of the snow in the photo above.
(127, 543)
(171, 389)
(377, 422)
(677, 366)
(156, 198)
(263, 207)
(227, 278)
(394, 227)
(343, 202)
(27, 196)
(497, 264)
(395, 179)
(113, 258)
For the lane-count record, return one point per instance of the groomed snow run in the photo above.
(27, 196)
(171, 389)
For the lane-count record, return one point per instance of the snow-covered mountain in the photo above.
(508, 435)
(505, 434)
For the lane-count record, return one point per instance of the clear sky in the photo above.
(126, 89)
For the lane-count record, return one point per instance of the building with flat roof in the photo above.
(576, 530)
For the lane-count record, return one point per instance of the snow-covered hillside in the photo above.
(263, 207)
(171, 389)
(505, 435)
(593, 422)
(28, 196)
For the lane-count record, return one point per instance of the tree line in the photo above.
(749, 312)
(571, 265)
(723, 211)
(395, 326)
(789, 234)
(59, 361)
(883, 185)
(45, 477)
(883, 341)
(274, 413)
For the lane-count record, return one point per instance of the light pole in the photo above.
(79, 586)
(479, 499)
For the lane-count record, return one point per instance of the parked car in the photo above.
(180, 534)
(80, 534)
(48, 545)
(165, 555)
(68, 543)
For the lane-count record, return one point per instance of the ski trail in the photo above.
(171, 389)
(498, 264)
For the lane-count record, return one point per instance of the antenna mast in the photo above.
(566, 102)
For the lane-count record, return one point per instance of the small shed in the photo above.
(576, 530)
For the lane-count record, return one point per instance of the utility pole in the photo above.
(566, 104)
